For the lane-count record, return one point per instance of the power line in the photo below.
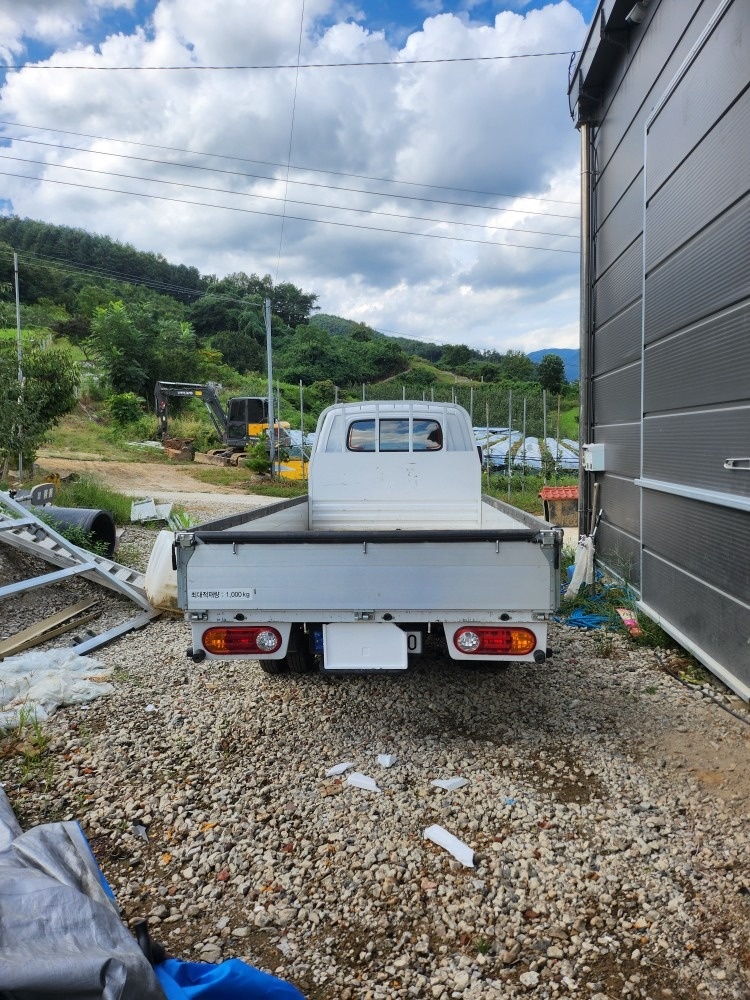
(296, 218)
(271, 163)
(291, 201)
(266, 66)
(315, 184)
(291, 139)
(168, 288)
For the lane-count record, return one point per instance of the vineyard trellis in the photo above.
(518, 431)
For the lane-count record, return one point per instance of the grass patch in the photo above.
(243, 480)
(28, 741)
(282, 488)
(223, 475)
(89, 494)
(524, 489)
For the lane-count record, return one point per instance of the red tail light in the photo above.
(484, 640)
(241, 640)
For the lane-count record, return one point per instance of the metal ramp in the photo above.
(22, 530)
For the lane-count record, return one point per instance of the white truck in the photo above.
(394, 541)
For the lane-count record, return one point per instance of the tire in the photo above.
(274, 667)
(299, 657)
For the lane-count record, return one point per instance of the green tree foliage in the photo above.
(551, 373)
(122, 348)
(312, 355)
(240, 351)
(213, 313)
(456, 355)
(518, 367)
(29, 410)
(173, 351)
(134, 350)
(46, 253)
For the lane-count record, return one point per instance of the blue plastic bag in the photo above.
(231, 980)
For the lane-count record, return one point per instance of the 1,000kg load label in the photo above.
(222, 595)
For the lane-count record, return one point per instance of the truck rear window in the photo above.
(427, 435)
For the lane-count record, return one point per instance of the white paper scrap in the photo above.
(450, 784)
(339, 768)
(386, 759)
(460, 851)
(362, 781)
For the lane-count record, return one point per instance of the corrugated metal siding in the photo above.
(717, 623)
(619, 553)
(703, 186)
(702, 365)
(701, 538)
(708, 274)
(622, 447)
(692, 330)
(620, 285)
(709, 87)
(622, 226)
(696, 389)
(689, 448)
(618, 341)
(673, 30)
(617, 396)
(621, 498)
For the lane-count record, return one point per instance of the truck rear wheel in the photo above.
(274, 666)
(299, 657)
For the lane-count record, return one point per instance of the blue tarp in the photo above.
(232, 980)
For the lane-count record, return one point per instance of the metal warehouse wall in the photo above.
(669, 335)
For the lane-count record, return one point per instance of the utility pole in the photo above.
(20, 365)
(271, 428)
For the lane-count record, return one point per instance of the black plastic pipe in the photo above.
(99, 524)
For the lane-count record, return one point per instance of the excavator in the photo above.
(239, 427)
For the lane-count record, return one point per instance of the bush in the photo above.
(126, 407)
(258, 458)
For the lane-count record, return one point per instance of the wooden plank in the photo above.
(46, 629)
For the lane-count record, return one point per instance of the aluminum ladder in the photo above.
(21, 529)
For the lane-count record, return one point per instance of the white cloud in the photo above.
(52, 22)
(484, 126)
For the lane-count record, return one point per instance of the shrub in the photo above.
(125, 407)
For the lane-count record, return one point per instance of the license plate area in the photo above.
(352, 646)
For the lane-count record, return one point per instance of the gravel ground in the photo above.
(606, 803)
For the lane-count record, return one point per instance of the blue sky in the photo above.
(436, 199)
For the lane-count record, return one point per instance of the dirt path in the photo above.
(164, 483)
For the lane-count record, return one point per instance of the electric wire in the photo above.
(68, 266)
(270, 163)
(266, 66)
(270, 197)
(249, 176)
(296, 218)
(291, 140)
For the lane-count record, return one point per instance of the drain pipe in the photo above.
(586, 352)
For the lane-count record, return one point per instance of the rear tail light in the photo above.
(242, 640)
(490, 640)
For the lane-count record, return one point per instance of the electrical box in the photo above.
(593, 457)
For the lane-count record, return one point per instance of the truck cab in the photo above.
(394, 465)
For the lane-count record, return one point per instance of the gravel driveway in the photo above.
(606, 803)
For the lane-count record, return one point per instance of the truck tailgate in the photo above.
(394, 571)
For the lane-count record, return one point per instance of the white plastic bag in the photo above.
(583, 571)
(35, 684)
